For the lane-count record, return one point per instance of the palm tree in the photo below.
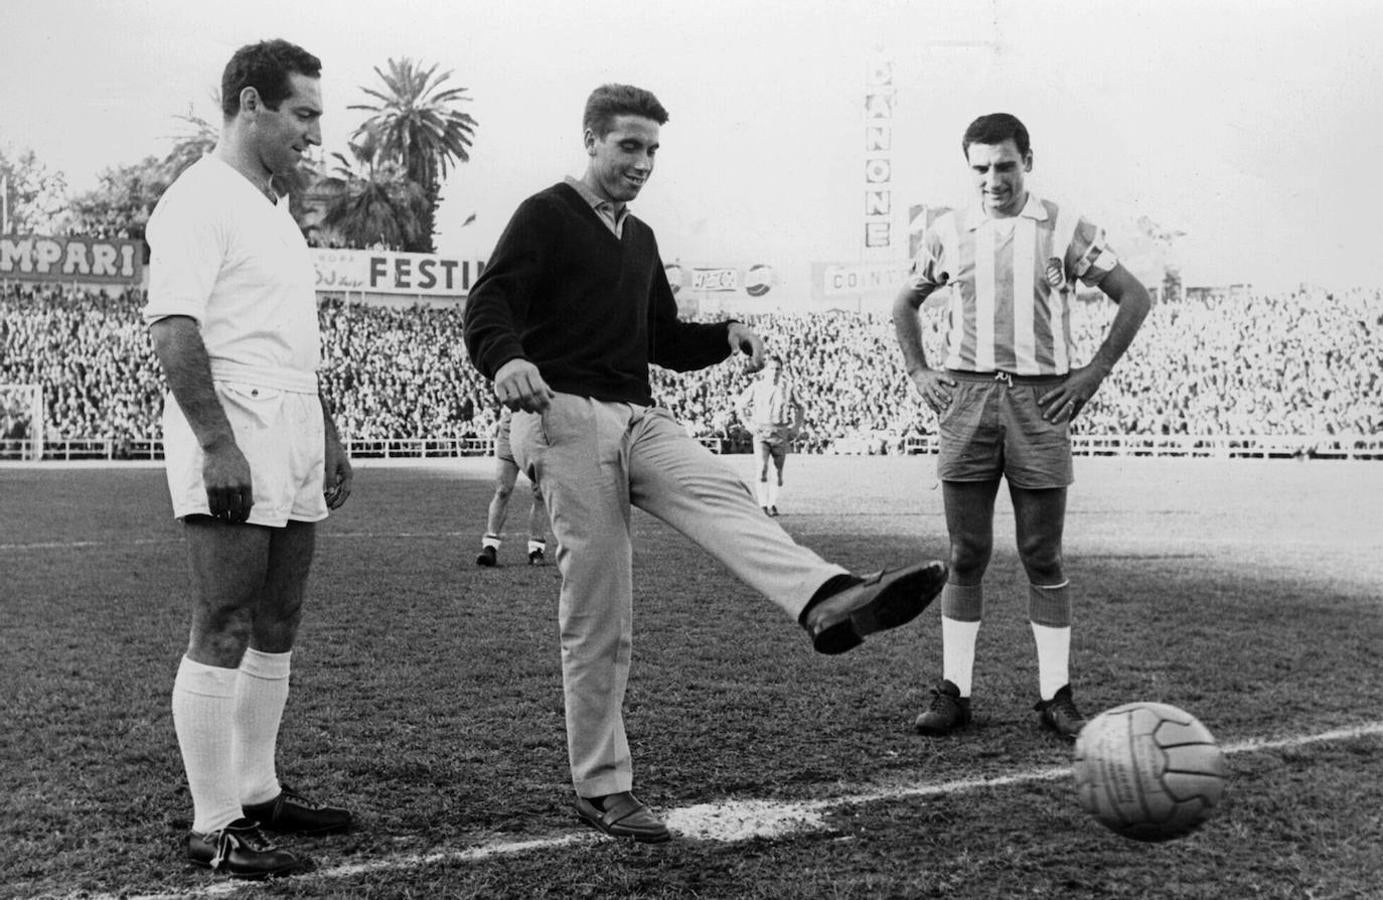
(416, 124)
(379, 207)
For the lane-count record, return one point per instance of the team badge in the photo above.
(1056, 276)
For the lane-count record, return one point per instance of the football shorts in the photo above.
(994, 427)
(283, 437)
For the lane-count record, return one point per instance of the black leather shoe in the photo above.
(840, 621)
(1060, 714)
(291, 812)
(948, 711)
(623, 815)
(487, 557)
(241, 850)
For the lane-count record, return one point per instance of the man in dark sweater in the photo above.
(572, 308)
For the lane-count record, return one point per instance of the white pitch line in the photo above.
(82, 545)
(321, 535)
(738, 820)
(1258, 745)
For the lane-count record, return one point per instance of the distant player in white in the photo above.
(253, 460)
(770, 410)
(506, 476)
(1005, 395)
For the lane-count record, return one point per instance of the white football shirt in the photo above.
(228, 257)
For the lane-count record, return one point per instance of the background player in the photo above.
(771, 411)
(1006, 397)
(506, 476)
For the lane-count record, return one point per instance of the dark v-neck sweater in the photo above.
(589, 309)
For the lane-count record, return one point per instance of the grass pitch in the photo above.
(427, 692)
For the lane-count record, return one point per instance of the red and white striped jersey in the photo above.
(1012, 281)
(770, 409)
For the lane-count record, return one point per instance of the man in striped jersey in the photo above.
(1005, 394)
(770, 410)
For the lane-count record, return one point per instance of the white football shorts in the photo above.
(282, 436)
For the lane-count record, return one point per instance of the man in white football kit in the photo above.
(770, 410)
(506, 476)
(1006, 397)
(253, 459)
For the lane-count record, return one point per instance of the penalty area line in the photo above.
(731, 821)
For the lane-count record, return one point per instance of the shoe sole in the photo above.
(1048, 727)
(301, 867)
(896, 604)
(310, 832)
(638, 837)
(937, 730)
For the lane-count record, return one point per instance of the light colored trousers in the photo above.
(593, 461)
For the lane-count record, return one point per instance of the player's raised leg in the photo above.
(681, 482)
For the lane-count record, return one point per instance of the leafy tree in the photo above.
(125, 195)
(35, 195)
(416, 124)
(120, 205)
(372, 203)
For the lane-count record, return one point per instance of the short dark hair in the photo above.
(265, 67)
(611, 100)
(996, 128)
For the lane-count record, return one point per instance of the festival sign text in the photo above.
(387, 272)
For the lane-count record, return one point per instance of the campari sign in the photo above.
(27, 257)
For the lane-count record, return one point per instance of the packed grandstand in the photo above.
(1296, 373)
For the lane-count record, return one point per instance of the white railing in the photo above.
(1212, 446)
(1200, 446)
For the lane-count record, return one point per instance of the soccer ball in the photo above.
(1148, 771)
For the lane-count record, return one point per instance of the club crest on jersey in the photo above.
(1056, 276)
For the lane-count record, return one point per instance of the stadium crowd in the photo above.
(1301, 363)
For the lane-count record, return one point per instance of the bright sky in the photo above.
(1240, 122)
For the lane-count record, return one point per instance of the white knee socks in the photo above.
(1050, 612)
(962, 608)
(203, 717)
(261, 694)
